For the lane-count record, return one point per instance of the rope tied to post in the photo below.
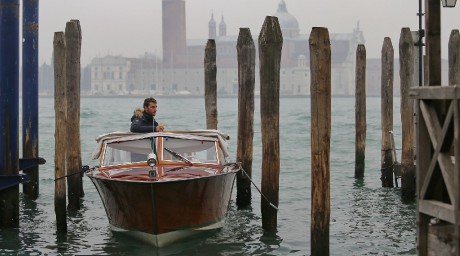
(260, 192)
(84, 169)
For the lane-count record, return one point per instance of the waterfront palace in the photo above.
(180, 70)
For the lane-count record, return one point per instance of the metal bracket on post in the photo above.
(7, 181)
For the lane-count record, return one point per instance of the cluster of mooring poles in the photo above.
(10, 163)
(68, 164)
(270, 45)
(436, 110)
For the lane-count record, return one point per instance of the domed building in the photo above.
(288, 23)
(181, 68)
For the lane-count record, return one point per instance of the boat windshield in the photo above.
(126, 152)
(195, 151)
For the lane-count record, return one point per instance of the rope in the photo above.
(260, 192)
(84, 169)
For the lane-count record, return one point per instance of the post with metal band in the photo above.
(9, 110)
(387, 112)
(30, 92)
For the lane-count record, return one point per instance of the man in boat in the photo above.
(144, 121)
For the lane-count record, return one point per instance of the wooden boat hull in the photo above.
(163, 212)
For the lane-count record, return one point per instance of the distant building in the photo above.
(181, 69)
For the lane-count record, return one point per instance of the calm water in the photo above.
(365, 218)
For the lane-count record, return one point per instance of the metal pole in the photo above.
(421, 34)
(9, 109)
(30, 92)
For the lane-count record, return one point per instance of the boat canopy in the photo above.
(208, 135)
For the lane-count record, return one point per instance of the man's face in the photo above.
(151, 109)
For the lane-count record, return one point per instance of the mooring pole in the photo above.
(387, 112)
(246, 53)
(454, 57)
(9, 110)
(60, 143)
(210, 84)
(30, 92)
(360, 111)
(270, 45)
(320, 91)
(406, 66)
(73, 54)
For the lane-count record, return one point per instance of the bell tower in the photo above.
(174, 30)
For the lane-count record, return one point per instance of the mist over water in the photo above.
(365, 218)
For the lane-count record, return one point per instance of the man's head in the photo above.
(150, 106)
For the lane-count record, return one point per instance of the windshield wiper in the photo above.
(177, 155)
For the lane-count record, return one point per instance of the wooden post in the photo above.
(387, 112)
(270, 45)
(454, 79)
(60, 146)
(320, 90)
(73, 156)
(433, 40)
(30, 93)
(406, 65)
(454, 58)
(360, 111)
(246, 82)
(210, 84)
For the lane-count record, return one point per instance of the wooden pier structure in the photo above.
(437, 132)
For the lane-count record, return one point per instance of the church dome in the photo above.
(288, 23)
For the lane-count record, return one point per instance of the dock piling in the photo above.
(246, 54)
(406, 65)
(30, 93)
(60, 144)
(360, 111)
(210, 84)
(387, 112)
(270, 45)
(454, 57)
(73, 156)
(320, 91)
(9, 110)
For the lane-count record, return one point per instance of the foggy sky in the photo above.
(133, 27)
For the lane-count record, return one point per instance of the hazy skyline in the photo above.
(131, 28)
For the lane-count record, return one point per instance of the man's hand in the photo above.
(161, 127)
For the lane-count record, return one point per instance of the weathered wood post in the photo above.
(246, 53)
(406, 73)
(60, 144)
(9, 112)
(360, 111)
(454, 57)
(270, 45)
(210, 84)
(30, 93)
(320, 91)
(423, 144)
(73, 156)
(387, 112)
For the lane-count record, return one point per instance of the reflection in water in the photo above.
(378, 219)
